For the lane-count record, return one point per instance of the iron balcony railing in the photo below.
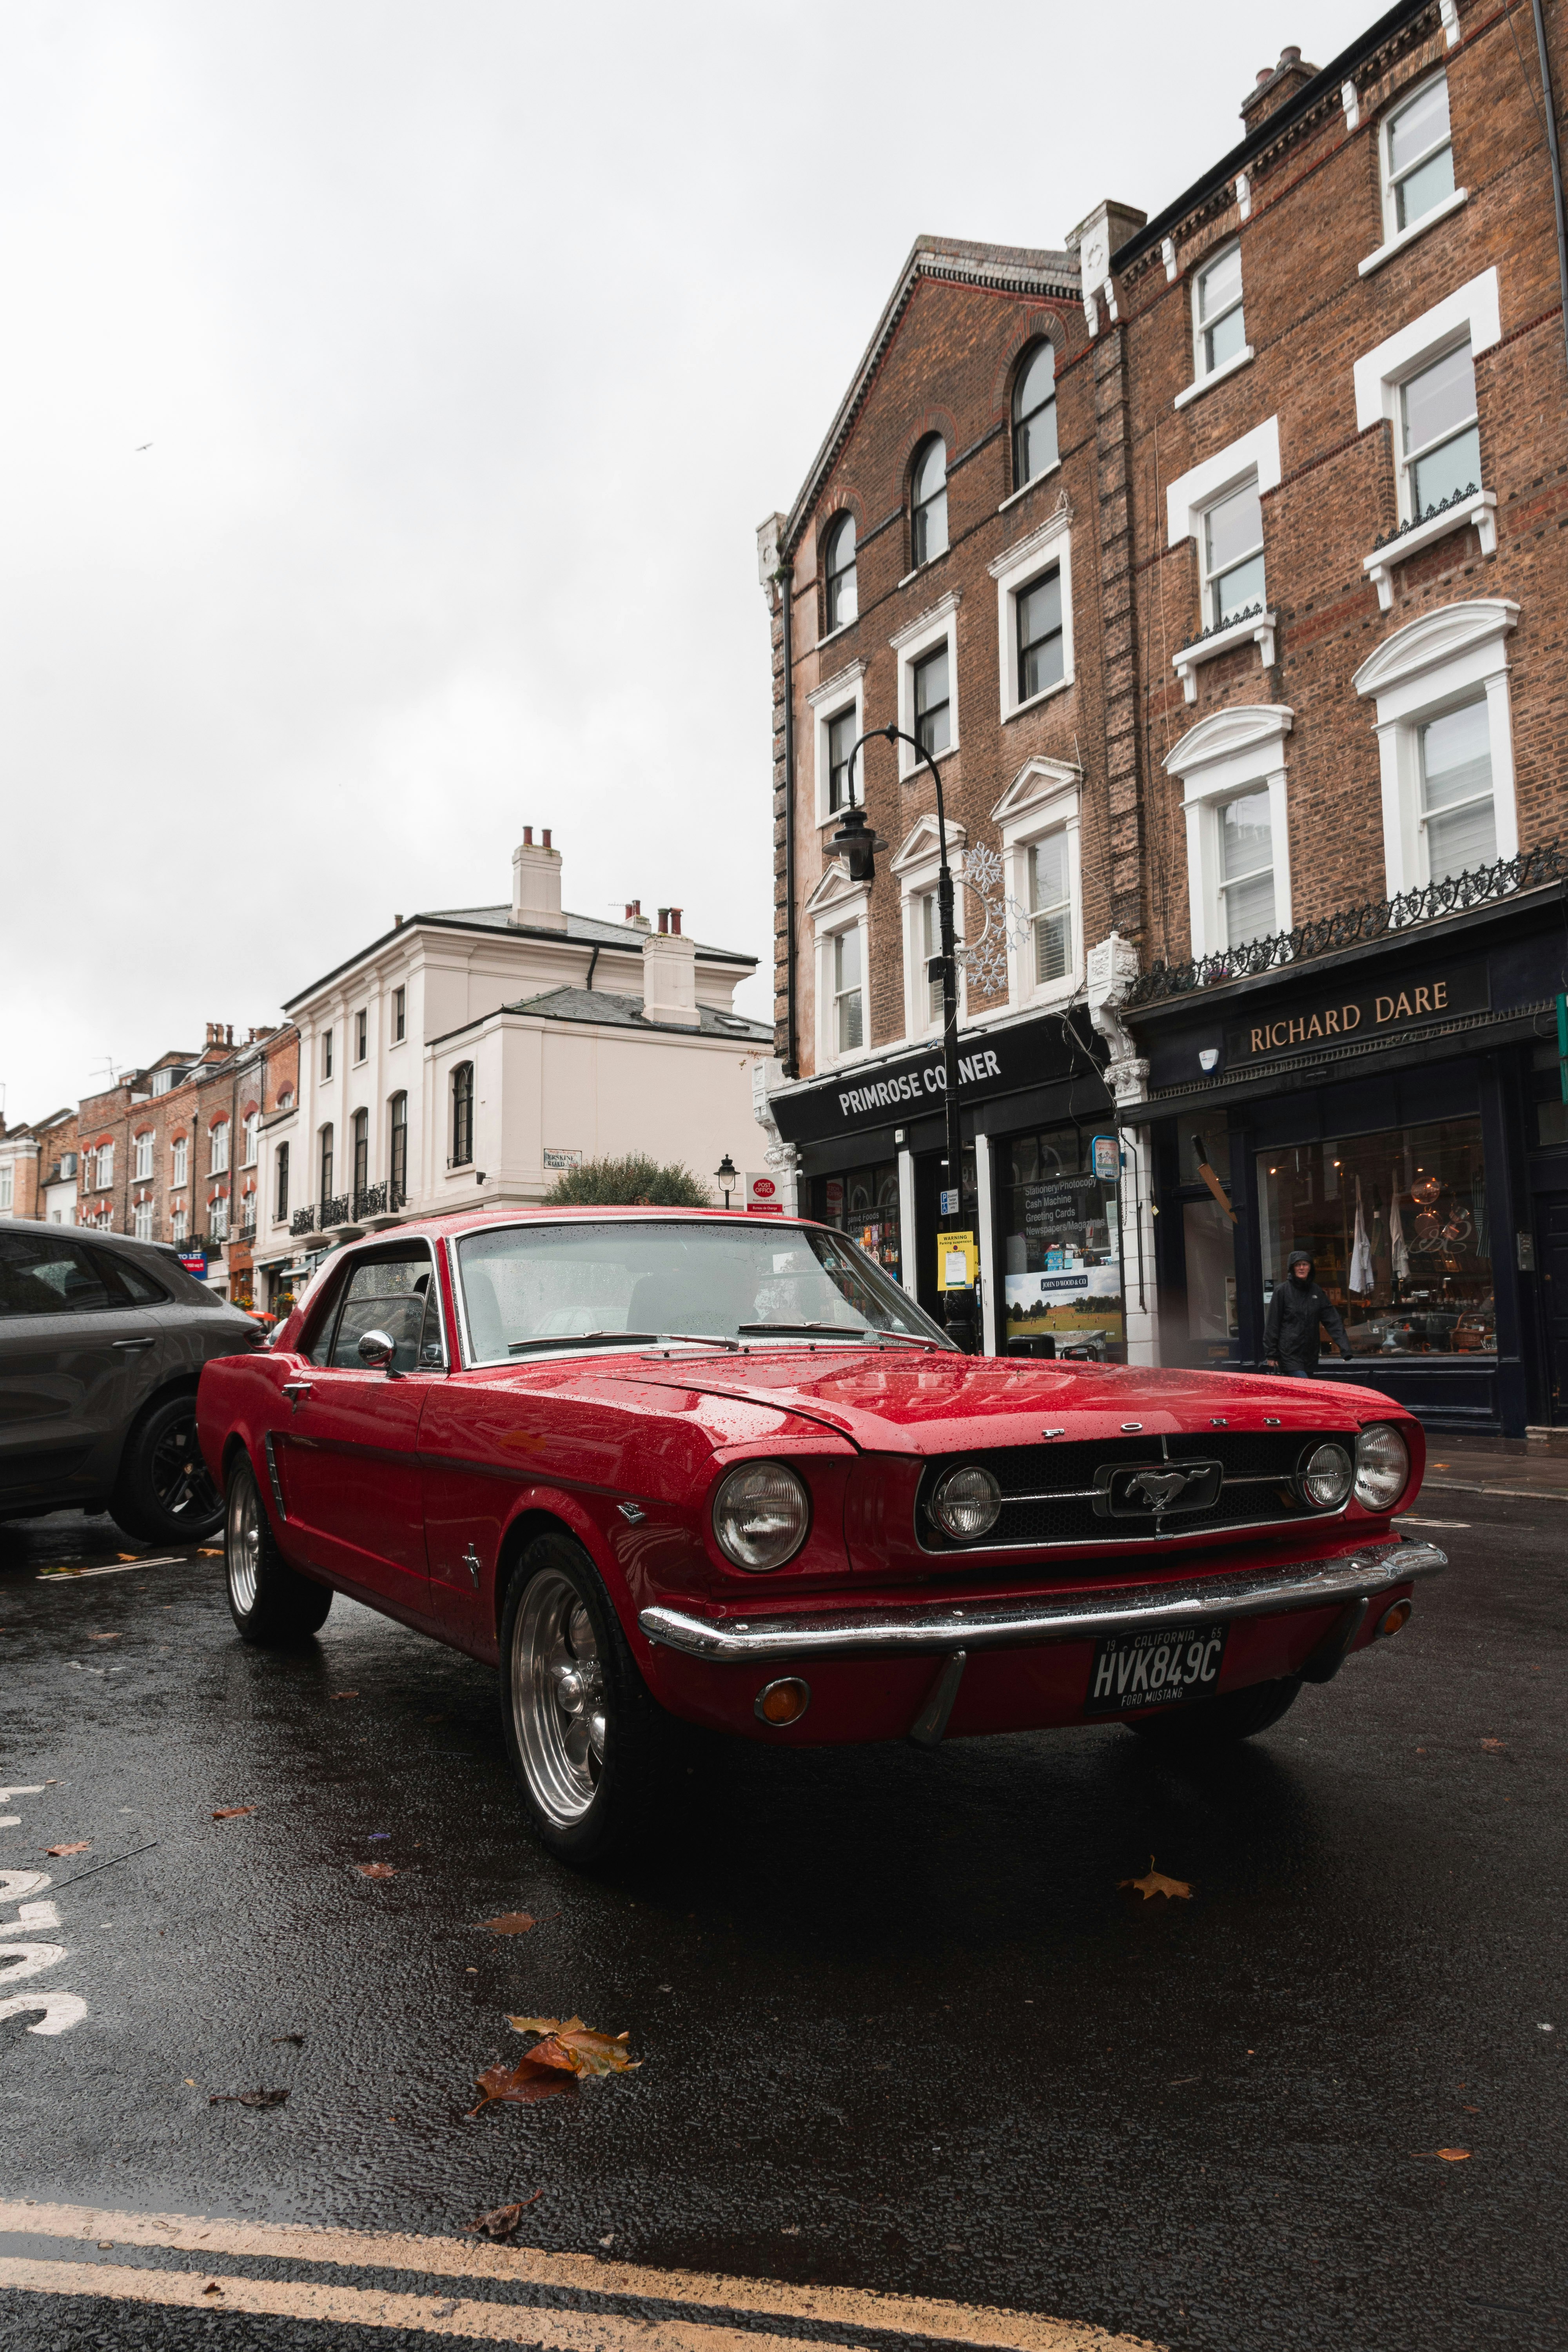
(334, 1211)
(370, 1201)
(304, 1220)
(1354, 927)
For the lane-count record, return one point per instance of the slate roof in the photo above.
(597, 1004)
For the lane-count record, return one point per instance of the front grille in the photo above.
(1050, 1492)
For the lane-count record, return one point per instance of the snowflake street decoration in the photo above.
(985, 957)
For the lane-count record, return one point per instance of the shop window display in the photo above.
(1061, 1249)
(864, 1204)
(1397, 1227)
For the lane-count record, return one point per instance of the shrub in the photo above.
(634, 1183)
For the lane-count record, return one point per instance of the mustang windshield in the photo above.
(526, 1285)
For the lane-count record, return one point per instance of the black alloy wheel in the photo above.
(165, 1492)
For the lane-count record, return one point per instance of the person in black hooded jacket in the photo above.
(1295, 1311)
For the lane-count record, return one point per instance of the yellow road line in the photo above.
(941, 2321)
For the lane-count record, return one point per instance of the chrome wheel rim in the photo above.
(181, 1482)
(242, 1547)
(558, 1699)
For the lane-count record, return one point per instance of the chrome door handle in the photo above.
(294, 1391)
(132, 1343)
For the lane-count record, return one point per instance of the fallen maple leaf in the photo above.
(522, 2083)
(345, 1693)
(232, 1812)
(575, 2047)
(375, 1869)
(501, 2220)
(1156, 1882)
(1454, 2155)
(204, 1551)
(212, 2287)
(115, 1637)
(85, 1847)
(510, 1923)
(1493, 1744)
(248, 2098)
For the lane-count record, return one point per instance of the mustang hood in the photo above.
(945, 1403)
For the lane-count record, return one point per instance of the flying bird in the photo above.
(143, 445)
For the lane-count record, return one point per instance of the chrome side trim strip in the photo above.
(1370, 1569)
(277, 1483)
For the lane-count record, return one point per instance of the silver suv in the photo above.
(102, 1344)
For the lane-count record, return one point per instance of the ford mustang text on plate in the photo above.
(664, 1464)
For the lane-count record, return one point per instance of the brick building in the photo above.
(1311, 497)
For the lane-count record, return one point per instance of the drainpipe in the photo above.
(1556, 163)
(792, 1043)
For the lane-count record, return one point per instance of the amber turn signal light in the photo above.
(785, 1702)
(1393, 1618)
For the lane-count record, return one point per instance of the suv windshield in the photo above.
(526, 1287)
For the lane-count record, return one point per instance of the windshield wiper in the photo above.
(582, 1339)
(868, 1333)
(701, 1338)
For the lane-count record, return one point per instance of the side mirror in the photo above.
(377, 1350)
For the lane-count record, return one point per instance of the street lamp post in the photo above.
(726, 1177)
(858, 850)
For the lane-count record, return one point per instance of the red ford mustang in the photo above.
(674, 1464)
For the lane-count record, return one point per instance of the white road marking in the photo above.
(15, 1885)
(60, 2009)
(713, 2327)
(115, 1567)
(31, 1959)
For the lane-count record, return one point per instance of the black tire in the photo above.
(588, 1743)
(1216, 1722)
(268, 1601)
(165, 1492)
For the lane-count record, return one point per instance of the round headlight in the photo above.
(760, 1514)
(1325, 1477)
(967, 1502)
(1382, 1466)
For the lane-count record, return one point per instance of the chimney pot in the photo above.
(528, 835)
(544, 837)
(1265, 73)
(664, 919)
(675, 919)
(634, 908)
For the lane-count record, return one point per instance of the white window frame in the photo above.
(179, 1159)
(1016, 569)
(8, 1188)
(177, 1224)
(141, 1221)
(1203, 377)
(217, 1152)
(362, 1036)
(835, 906)
(326, 1054)
(910, 644)
(1187, 501)
(918, 868)
(1206, 578)
(829, 540)
(250, 1138)
(141, 1167)
(843, 690)
(1472, 313)
(1045, 796)
(399, 1022)
(104, 1167)
(1394, 239)
(1235, 750)
(1433, 663)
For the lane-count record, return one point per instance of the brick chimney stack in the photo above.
(1275, 84)
(536, 883)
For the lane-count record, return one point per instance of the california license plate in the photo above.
(1162, 1667)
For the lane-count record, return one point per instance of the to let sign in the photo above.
(1387, 1012)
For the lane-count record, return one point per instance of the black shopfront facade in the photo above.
(871, 1147)
(1394, 1108)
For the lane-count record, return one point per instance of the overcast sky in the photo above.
(471, 339)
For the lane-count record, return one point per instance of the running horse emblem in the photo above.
(1160, 1488)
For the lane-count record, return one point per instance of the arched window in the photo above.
(252, 1138)
(463, 1115)
(180, 1156)
(218, 1162)
(362, 1151)
(326, 1163)
(1034, 414)
(928, 502)
(399, 1170)
(843, 604)
(144, 1168)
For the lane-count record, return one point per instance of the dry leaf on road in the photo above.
(375, 1869)
(345, 1693)
(1156, 1882)
(1454, 2155)
(510, 1923)
(248, 2098)
(84, 1847)
(575, 2047)
(117, 1637)
(1492, 1744)
(232, 1812)
(501, 2220)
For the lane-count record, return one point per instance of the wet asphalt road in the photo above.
(902, 2027)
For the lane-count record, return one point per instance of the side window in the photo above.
(317, 1336)
(139, 1287)
(1035, 415)
(48, 1276)
(1418, 158)
(388, 1294)
(1219, 331)
(840, 587)
(928, 504)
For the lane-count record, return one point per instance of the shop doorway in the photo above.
(1552, 1254)
(931, 1180)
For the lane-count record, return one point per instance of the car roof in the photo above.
(455, 1222)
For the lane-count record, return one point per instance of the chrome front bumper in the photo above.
(1362, 1574)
